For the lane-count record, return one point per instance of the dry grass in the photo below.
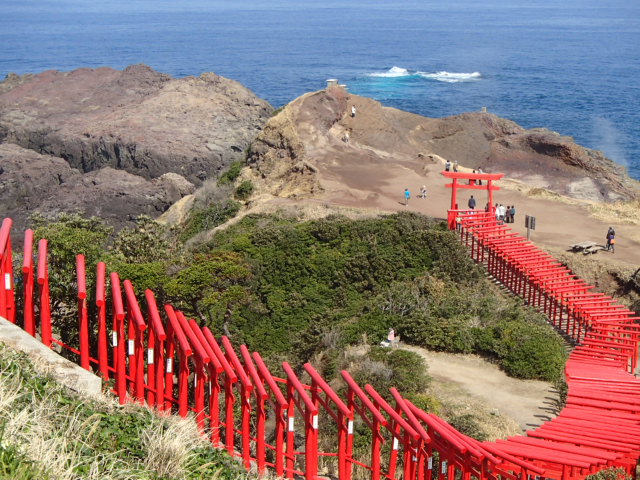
(456, 403)
(52, 440)
(65, 436)
(627, 213)
(170, 443)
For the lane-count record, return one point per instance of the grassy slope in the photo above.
(47, 432)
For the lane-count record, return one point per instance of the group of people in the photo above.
(448, 165)
(504, 214)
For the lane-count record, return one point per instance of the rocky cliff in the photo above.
(314, 144)
(118, 143)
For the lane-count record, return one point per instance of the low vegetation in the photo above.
(284, 287)
(356, 279)
(617, 212)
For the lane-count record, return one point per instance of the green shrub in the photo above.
(202, 220)
(244, 190)
(232, 173)
(69, 235)
(428, 403)
(528, 350)
(469, 425)
(610, 474)
(363, 276)
(409, 368)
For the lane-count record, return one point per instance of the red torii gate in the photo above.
(472, 183)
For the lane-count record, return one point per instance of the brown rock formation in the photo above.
(118, 142)
(303, 150)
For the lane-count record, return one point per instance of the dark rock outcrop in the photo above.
(32, 182)
(136, 135)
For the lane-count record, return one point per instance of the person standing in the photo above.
(353, 111)
(447, 166)
(611, 240)
(512, 213)
(407, 196)
(472, 203)
(423, 191)
(455, 166)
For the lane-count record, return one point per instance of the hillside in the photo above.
(302, 159)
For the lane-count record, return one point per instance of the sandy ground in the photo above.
(527, 402)
(558, 224)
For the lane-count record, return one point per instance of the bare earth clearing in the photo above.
(484, 385)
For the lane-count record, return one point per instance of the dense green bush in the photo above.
(447, 316)
(244, 190)
(360, 277)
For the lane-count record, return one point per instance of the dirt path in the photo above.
(528, 402)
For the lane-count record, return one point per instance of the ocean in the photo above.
(570, 66)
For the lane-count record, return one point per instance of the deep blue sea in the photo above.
(572, 66)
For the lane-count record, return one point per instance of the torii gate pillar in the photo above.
(472, 183)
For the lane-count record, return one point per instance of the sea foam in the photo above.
(392, 72)
(450, 77)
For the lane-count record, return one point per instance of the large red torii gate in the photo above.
(473, 180)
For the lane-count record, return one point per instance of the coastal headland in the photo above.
(119, 143)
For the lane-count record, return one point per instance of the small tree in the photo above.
(68, 235)
(211, 287)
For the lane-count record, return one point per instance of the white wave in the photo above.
(392, 72)
(451, 77)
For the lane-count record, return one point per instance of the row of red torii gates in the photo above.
(158, 356)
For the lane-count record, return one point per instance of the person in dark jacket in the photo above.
(611, 240)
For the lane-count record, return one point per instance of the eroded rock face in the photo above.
(137, 134)
(32, 182)
(538, 157)
(304, 148)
